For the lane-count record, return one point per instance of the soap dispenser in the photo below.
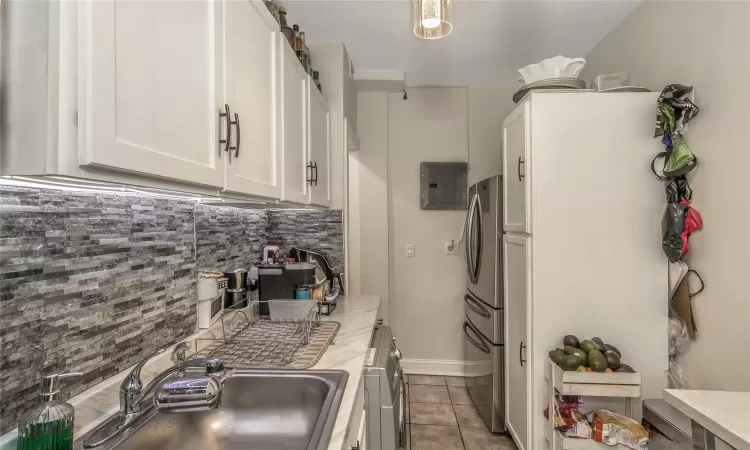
(49, 426)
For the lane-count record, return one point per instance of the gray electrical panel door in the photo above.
(443, 185)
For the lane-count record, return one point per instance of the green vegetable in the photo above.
(556, 355)
(597, 361)
(588, 345)
(570, 362)
(571, 341)
(613, 359)
(614, 349)
(602, 348)
(577, 351)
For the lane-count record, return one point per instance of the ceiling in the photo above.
(490, 39)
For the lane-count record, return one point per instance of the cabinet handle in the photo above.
(237, 124)
(310, 169)
(521, 176)
(520, 353)
(315, 167)
(229, 128)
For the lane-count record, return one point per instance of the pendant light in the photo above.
(433, 18)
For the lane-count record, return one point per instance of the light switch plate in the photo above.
(409, 250)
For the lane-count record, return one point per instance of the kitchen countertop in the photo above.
(725, 414)
(357, 316)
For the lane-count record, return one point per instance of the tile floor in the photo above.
(440, 416)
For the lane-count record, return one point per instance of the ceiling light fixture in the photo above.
(433, 18)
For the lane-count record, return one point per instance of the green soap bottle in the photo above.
(49, 426)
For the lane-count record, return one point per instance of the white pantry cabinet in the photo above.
(517, 176)
(582, 243)
(296, 165)
(251, 40)
(516, 280)
(319, 139)
(151, 88)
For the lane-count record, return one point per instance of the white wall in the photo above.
(705, 44)
(425, 290)
(368, 200)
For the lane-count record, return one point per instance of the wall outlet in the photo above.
(409, 250)
(451, 247)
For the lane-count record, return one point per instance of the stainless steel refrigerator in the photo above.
(483, 326)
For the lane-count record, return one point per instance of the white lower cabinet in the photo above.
(251, 157)
(517, 279)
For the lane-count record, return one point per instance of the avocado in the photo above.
(600, 343)
(587, 346)
(570, 362)
(614, 349)
(597, 361)
(577, 351)
(625, 368)
(557, 354)
(571, 341)
(613, 359)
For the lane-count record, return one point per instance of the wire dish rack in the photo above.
(292, 337)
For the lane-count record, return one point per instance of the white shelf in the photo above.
(565, 443)
(595, 384)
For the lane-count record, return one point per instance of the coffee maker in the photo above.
(235, 295)
(280, 281)
(323, 271)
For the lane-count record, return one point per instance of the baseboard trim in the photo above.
(445, 367)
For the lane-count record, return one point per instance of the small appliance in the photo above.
(385, 392)
(211, 286)
(323, 271)
(280, 281)
(235, 294)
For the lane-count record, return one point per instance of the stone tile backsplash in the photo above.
(93, 282)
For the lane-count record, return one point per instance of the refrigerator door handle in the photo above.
(480, 238)
(473, 341)
(469, 232)
(475, 305)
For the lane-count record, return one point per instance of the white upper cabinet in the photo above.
(294, 126)
(320, 147)
(251, 38)
(151, 88)
(517, 170)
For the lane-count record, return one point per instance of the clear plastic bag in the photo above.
(679, 340)
(676, 377)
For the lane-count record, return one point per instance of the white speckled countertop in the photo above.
(357, 316)
(725, 414)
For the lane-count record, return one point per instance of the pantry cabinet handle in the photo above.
(520, 353)
(315, 167)
(237, 124)
(521, 176)
(229, 128)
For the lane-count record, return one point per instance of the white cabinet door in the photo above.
(517, 281)
(319, 125)
(293, 124)
(517, 170)
(150, 86)
(251, 39)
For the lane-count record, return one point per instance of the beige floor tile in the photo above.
(435, 437)
(468, 416)
(459, 395)
(455, 381)
(476, 438)
(429, 380)
(432, 414)
(428, 394)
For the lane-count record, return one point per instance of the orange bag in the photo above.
(612, 429)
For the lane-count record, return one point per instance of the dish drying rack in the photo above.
(243, 338)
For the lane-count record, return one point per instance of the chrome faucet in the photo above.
(171, 391)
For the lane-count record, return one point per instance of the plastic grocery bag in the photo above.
(679, 220)
(612, 429)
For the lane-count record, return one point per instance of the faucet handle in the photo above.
(179, 353)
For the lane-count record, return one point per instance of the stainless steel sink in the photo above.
(260, 409)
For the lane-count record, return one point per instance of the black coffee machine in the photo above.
(323, 271)
(279, 281)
